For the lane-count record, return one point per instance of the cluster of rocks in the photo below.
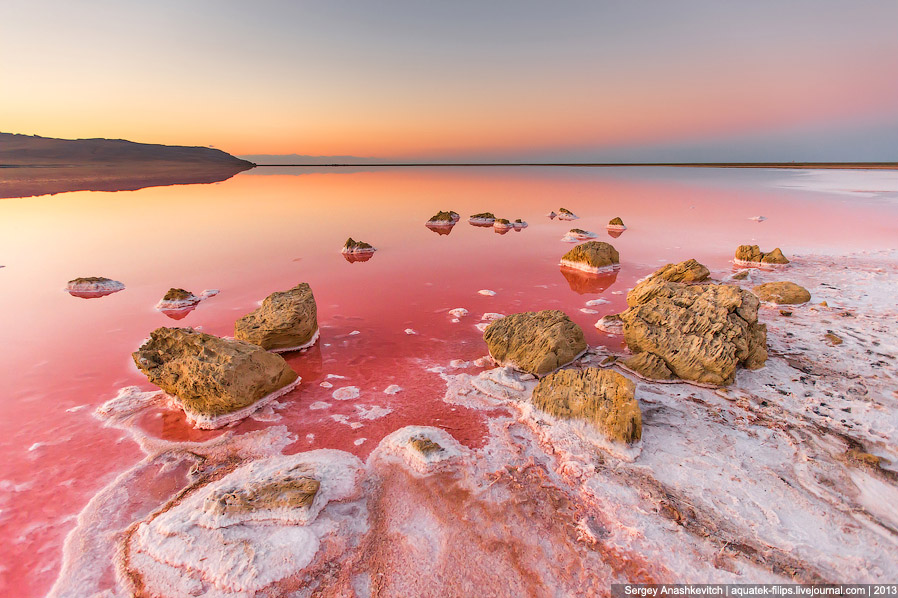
(218, 381)
(679, 326)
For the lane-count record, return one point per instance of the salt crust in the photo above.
(397, 447)
(211, 422)
(458, 312)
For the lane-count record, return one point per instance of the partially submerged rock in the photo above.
(177, 299)
(90, 287)
(482, 219)
(535, 342)
(578, 234)
(702, 332)
(616, 224)
(612, 324)
(519, 224)
(592, 256)
(751, 255)
(357, 247)
(782, 293)
(502, 224)
(286, 321)
(688, 271)
(444, 218)
(602, 397)
(215, 381)
(565, 214)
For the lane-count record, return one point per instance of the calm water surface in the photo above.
(267, 230)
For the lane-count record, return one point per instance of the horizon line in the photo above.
(796, 165)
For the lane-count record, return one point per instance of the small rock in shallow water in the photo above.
(535, 342)
(782, 293)
(592, 256)
(286, 321)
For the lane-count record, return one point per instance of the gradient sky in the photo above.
(501, 80)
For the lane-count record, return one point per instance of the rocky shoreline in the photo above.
(785, 474)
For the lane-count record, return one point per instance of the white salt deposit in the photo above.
(610, 325)
(586, 310)
(593, 302)
(359, 441)
(491, 317)
(458, 312)
(410, 331)
(487, 292)
(482, 326)
(209, 293)
(573, 236)
(392, 389)
(319, 405)
(345, 393)
(325, 384)
(567, 216)
(398, 447)
(336, 377)
(95, 286)
(373, 412)
(354, 332)
(758, 218)
(210, 422)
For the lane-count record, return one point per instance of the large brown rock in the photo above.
(287, 320)
(702, 332)
(688, 271)
(535, 342)
(752, 254)
(649, 365)
(783, 293)
(602, 397)
(592, 256)
(215, 380)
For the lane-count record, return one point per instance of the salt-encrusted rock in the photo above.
(502, 224)
(688, 271)
(578, 234)
(177, 299)
(740, 275)
(356, 247)
(616, 224)
(241, 535)
(611, 324)
(93, 286)
(702, 332)
(444, 218)
(286, 321)
(535, 342)
(215, 381)
(751, 255)
(648, 365)
(482, 219)
(592, 256)
(565, 214)
(519, 224)
(551, 215)
(602, 397)
(782, 293)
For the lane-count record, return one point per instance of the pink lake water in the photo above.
(268, 229)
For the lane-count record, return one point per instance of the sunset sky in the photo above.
(457, 81)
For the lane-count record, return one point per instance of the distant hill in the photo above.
(31, 165)
(31, 150)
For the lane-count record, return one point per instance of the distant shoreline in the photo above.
(785, 165)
